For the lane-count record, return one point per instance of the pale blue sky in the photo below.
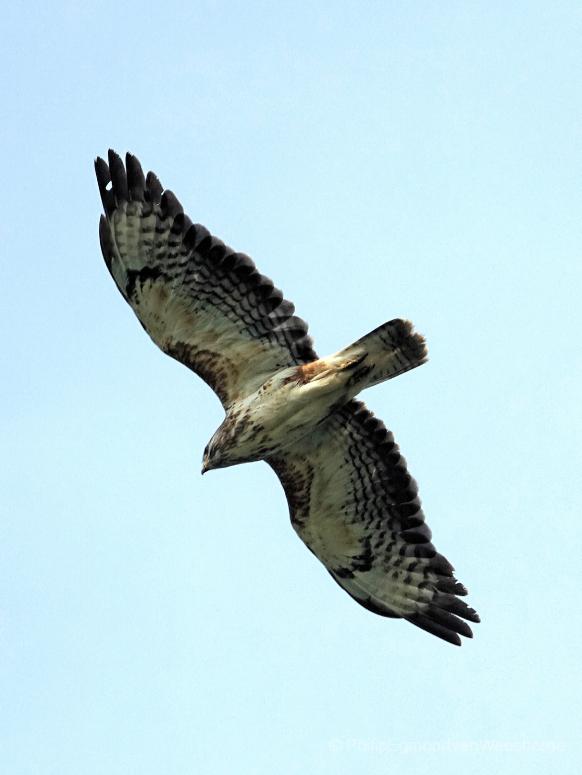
(377, 159)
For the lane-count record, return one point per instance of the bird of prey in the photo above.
(351, 498)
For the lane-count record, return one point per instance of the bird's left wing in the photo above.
(353, 502)
(199, 301)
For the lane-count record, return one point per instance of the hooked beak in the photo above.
(204, 464)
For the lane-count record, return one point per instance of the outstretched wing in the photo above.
(355, 505)
(199, 301)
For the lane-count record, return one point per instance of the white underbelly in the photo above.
(284, 416)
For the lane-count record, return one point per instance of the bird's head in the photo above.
(218, 453)
(211, 457)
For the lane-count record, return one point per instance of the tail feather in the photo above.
(387, 351)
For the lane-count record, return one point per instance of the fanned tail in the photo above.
(387, 351)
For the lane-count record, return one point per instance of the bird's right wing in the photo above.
(354, 504)
(199, 301)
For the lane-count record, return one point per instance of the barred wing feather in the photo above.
(199, 301)
(354, 504)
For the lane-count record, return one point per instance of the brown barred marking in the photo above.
(215, 369)
(296, 479)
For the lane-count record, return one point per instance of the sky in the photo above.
(377, 160)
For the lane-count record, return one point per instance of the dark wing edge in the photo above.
(392, 568)
(185, 258)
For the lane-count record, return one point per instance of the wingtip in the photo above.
(103, 174)
(442, 623)
(135, 178)
(153, 187)
(101, 167)
(113, 156)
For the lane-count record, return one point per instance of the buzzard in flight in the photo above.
(351, 498)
